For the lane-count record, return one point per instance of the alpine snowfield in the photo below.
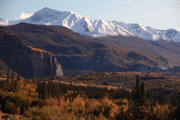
(95, 28)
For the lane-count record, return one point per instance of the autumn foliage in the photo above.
(55, 100)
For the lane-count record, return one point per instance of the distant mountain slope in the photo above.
(3, 66)
(168, 50)
(29, 62)
(149, 33)
(80, 53)
(95, 28)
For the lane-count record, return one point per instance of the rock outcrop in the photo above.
(28, 61)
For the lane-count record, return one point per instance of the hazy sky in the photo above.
(160, 14)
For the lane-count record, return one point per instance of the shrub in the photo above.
(78, 106)
(10, 107)
(93, 107)
(45, 113)
(110, 109)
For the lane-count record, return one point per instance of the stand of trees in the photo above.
(55, 100)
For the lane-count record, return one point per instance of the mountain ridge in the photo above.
(77, 52)
(95, 28)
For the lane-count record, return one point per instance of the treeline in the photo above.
(46, 99)
(138, 93)
(51, 89)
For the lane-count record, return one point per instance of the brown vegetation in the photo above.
(56, 100)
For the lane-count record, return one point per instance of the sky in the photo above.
(160, 14)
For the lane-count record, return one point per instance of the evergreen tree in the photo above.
(142, 93)
(178, 110)
(44, 91)
(12, 75)
(8, 74)
(137, 91)
(1, 74)
(139, 112)
(174, 102)
(18, 76)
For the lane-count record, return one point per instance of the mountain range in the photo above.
(74, 51)
(95, 28)
(50, 39)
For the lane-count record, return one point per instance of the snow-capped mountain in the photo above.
(149, 33)
(3, 21)
(95, 28)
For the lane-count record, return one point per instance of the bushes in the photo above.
(45, 113)
(82, 107)
(109, 108)
(78, 109)
(10, 102)
(17, 94)
(78, 106)
(93, 107)
(10, 107)
(82, 102)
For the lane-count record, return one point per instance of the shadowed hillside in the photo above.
(76, 52)
(169, 50)
(23, 59)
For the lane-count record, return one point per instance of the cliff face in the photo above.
(30, 62)
(45, 65)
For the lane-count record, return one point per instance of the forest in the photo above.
(73, 98)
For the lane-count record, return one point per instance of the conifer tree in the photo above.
(18, 76)
(44, 91)
(142, 93)
(12, 75)
(8, 74)
(137, 91)
(178, 109)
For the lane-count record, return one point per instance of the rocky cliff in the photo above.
(29, 61)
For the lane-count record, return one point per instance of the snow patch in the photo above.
(25, 15)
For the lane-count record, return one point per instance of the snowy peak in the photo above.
(74, 21)
(149, 33)
(95, 28)
(45, 16)
(3, 22)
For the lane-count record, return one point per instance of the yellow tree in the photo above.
(26, 89)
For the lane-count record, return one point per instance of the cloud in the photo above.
(25, 15)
